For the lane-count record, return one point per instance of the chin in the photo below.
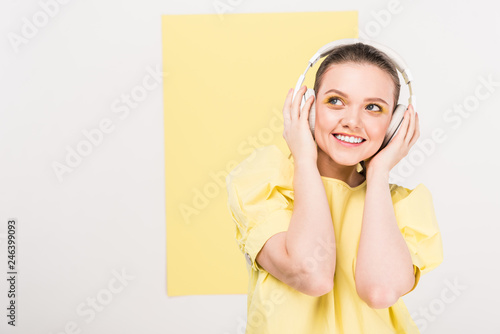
(346, 161)
(343, 159)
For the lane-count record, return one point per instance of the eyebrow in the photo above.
(367, 99)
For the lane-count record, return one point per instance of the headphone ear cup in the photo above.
(312, 111)
(397, 118)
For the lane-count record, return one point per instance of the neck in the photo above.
(329, 168)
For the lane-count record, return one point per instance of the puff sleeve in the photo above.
(260, 199)
(417, 222)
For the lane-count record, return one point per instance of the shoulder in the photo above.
(417, 221)
(417, 194)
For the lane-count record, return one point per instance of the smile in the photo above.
(349, 139)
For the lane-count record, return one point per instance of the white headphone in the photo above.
(397, 115)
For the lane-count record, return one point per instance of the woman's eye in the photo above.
(335, 101)
(373, 107)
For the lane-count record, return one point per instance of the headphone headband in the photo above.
(397, 61)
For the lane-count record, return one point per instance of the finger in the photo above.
(286, 113)
(287, 105)
(304, 114)
(403, 128)
(295, 110)
(411, 125)
(417, 131)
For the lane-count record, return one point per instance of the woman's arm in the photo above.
(384, 268)
(304, 256)
(310, 238)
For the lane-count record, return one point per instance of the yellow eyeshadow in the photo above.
(328, 98)
(382, 109)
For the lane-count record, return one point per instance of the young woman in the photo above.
(331, 245)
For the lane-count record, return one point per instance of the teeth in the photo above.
(349, 139)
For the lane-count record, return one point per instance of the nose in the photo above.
(351, 118)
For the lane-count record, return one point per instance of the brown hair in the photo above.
(361, 54)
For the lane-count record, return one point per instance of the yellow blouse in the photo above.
(260, 199)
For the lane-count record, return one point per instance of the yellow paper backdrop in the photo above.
(228, 76)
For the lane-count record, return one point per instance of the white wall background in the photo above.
(107, 216)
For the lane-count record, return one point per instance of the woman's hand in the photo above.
(296, 130)
(398, 147)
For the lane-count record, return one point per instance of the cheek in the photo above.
(325, 119)
(377, 127)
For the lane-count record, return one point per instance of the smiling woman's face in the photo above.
(354, 107)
